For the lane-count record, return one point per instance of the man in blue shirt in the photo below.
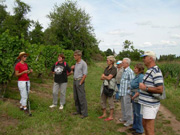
(124, 93)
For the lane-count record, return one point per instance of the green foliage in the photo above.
(9, 50)
(17, 23)
(170, 57)
(36, 35)
(172, 68)
(70, 28)
(41, 57)
(129, 51)
(108, 52)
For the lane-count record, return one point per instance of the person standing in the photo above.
(108, 78)
(120, 70)
(80, 73)
(137, 121)
(61, 70)
(21, 71)
(124, 93)
(152, 83)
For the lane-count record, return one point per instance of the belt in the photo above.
(75, 79)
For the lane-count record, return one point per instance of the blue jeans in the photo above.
(117, 92)
(137, 122)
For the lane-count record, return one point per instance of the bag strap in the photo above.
(64, 63)
(147, 76)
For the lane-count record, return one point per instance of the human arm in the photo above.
(136, 95)
(109, 77)
(158, 89)
(82, 80)
(19, 74)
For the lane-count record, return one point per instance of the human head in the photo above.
(119, 64)
(110, 60)
(22, 56)
(61, 57)
(150, 54)
(139, 68)
(126, 62)
(149, 58)
(77, 54)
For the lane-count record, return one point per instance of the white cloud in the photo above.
(167, 43)
(120, 32)
(176, 36)
(144, 23)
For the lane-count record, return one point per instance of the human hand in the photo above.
(72, 67)
(31, 70)
(142, 86)
(26, 71)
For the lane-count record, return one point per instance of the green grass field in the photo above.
(53, 121)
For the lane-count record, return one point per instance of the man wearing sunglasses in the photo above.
(152, 83)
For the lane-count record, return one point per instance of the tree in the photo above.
(70, 28)
(129, 51)
(17, 23)
(108, 52)
(37, 35)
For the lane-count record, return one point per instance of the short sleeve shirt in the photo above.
(80, 69)
(155, 79)
(22, 67)
(112, 71)
(60, 70)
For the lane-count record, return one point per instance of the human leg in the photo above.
(137, 118)
(122, 98)
(128, 110)
(82, 98)
(63, 87)
(23, 93)
(76, 100)
(103, 104)
(55, 93)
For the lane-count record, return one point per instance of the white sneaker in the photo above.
(52, 106)
(127, 124)
(121, 120)
(61, 107)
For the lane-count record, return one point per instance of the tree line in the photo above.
(70, 27)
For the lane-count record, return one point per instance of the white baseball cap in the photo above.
(119, 62)
(149, 53)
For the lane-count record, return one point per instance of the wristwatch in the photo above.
(146, 88)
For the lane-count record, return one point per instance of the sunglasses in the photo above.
(25, 56)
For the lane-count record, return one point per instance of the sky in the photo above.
(150, 24)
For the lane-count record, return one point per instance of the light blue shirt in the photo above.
(127, 76)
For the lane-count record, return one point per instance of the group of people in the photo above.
(139, 107)
(135, 90)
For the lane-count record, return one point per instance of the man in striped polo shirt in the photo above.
(152, 83)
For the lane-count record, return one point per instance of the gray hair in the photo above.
(78, 52)
(154, 57)
(128, 60)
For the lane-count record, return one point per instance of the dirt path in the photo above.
(169, 116)
(163, 111)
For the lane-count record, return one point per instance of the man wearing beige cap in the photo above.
(152, 83)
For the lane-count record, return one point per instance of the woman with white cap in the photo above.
(22, 71)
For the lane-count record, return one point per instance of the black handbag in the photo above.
(108, 92)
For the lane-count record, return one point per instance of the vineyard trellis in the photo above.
(41, 59)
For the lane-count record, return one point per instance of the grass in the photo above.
(53, 121)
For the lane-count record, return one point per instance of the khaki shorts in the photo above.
(104, 99)
(149, 112)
